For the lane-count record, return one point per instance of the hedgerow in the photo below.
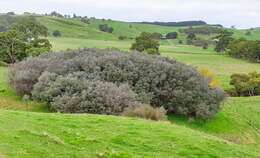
(158, 81)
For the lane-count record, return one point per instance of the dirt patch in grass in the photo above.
(1, 156)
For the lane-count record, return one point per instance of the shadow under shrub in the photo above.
(156, 80)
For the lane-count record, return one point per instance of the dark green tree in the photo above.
(146, 43)
(23, 40)
(56, 33)
(30, 29)
(12, 47)
(172, 35)
(190, 38)
(106, 28)
(223, 40)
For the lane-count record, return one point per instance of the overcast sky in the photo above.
(241, 13)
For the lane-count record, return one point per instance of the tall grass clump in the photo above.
(155, 80)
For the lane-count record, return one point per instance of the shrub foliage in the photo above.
(70, 94)
(245, 84)
(244, 49)
(156, 80)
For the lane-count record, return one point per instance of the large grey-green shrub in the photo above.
(156, 80)
(70, 94)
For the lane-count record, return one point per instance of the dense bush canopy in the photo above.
(245, 84)
(155, 80)
(244, 49)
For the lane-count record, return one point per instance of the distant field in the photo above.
(74, 28)
(223, 66)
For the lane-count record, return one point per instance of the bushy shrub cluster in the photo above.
(244, 49)
(245, 84)
(156, 80)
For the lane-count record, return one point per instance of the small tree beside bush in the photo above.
(146, 43)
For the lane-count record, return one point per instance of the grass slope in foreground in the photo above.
(40, 135)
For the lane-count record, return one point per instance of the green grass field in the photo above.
(55, 135)
(28, 130)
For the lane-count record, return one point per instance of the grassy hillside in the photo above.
(74, 28)
(57, 135)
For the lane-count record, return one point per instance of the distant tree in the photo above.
(85, 20)
(145, 43)
(18, 43)
(56, 14)
(223, 40)
(204, 30)
(182, 23)
(172, 35)
(31, 28)
(122, 38)
(56, 33)
(74, 15)
(157, 36)
(205, 46)
(10, 13)
(190, 38)
(106, 28)
(248, 33)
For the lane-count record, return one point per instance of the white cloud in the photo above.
(242, 13)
